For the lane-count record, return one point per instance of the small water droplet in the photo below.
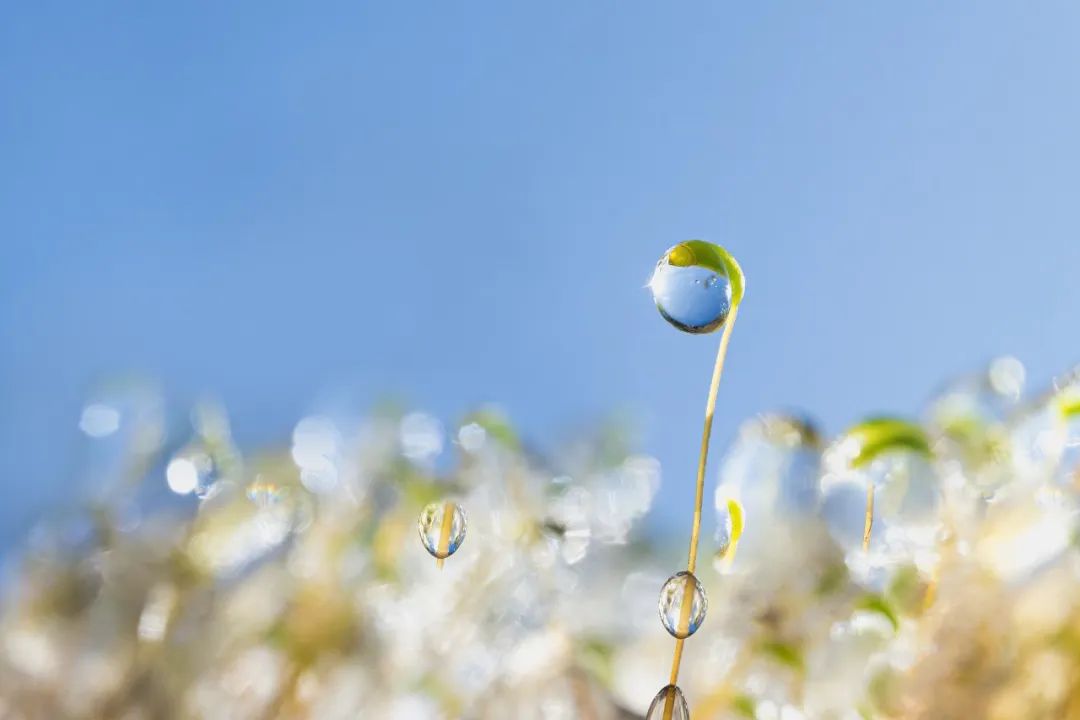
(682, 604)
(442, 528)
(690, 291)
(669, 704)
(192, 470)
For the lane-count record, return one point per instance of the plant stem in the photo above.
(695, 530)
(444, 534)
(868, 523)
(710, 408)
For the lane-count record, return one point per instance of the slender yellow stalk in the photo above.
(699, 495)
(868, 523)
(669, 699)
(444, 534)
(710, 408)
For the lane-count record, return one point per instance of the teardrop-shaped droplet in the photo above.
(693, 288)
(442, 528)
(669, 704)
(682, 604)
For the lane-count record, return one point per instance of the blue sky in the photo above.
(462, 202)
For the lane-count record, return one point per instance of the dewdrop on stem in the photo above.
(697, 287)
(442, 529)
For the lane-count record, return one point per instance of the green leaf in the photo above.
(785, 654)
(744, 706)
(1069, 405)
(883, 434)
(878, 604)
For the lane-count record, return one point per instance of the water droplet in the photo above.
(442, 528)
(192, 471)
(691, 287)
(880, 497)
(669, 704)
(682, 604)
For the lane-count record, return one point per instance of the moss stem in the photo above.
(868, 522)
(695, 530)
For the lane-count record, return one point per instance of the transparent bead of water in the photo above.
(881, 497)
(442, 528)
(192, 470)
(969, 420)
(682, 605)
(768, 477)
(669, 704)
(691, 287)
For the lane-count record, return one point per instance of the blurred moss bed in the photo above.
(201, 582)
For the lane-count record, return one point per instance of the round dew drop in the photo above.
(691, 289)
(669, 704)
(682, 605)
(442, 528)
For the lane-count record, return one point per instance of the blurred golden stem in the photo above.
(444, 533)
(695, 530)
(868, 523)
(280, 706)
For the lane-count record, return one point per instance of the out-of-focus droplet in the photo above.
(568, 519)
(880, 496)
(669, 704)
(769, 476)
(1006, 376)
(442, 528)
(99, 420)
(192, 470)
(421, 437)
(123, 425)
(199, 466)
(472, 436)
(695, 285)
(318, 449)
(968, 421)
(682, 604)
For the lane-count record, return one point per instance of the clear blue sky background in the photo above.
(462, 201)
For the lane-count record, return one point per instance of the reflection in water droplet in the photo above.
(669, 704)
(693, 298)
(442, 528)
(682, 604)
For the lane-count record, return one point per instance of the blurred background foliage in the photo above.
(229, 233)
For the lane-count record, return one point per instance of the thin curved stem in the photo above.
(695, 530)
(710, 409)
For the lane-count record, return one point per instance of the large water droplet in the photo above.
(682, 604)
(442, 528)
(691, 288)
(669, 704)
